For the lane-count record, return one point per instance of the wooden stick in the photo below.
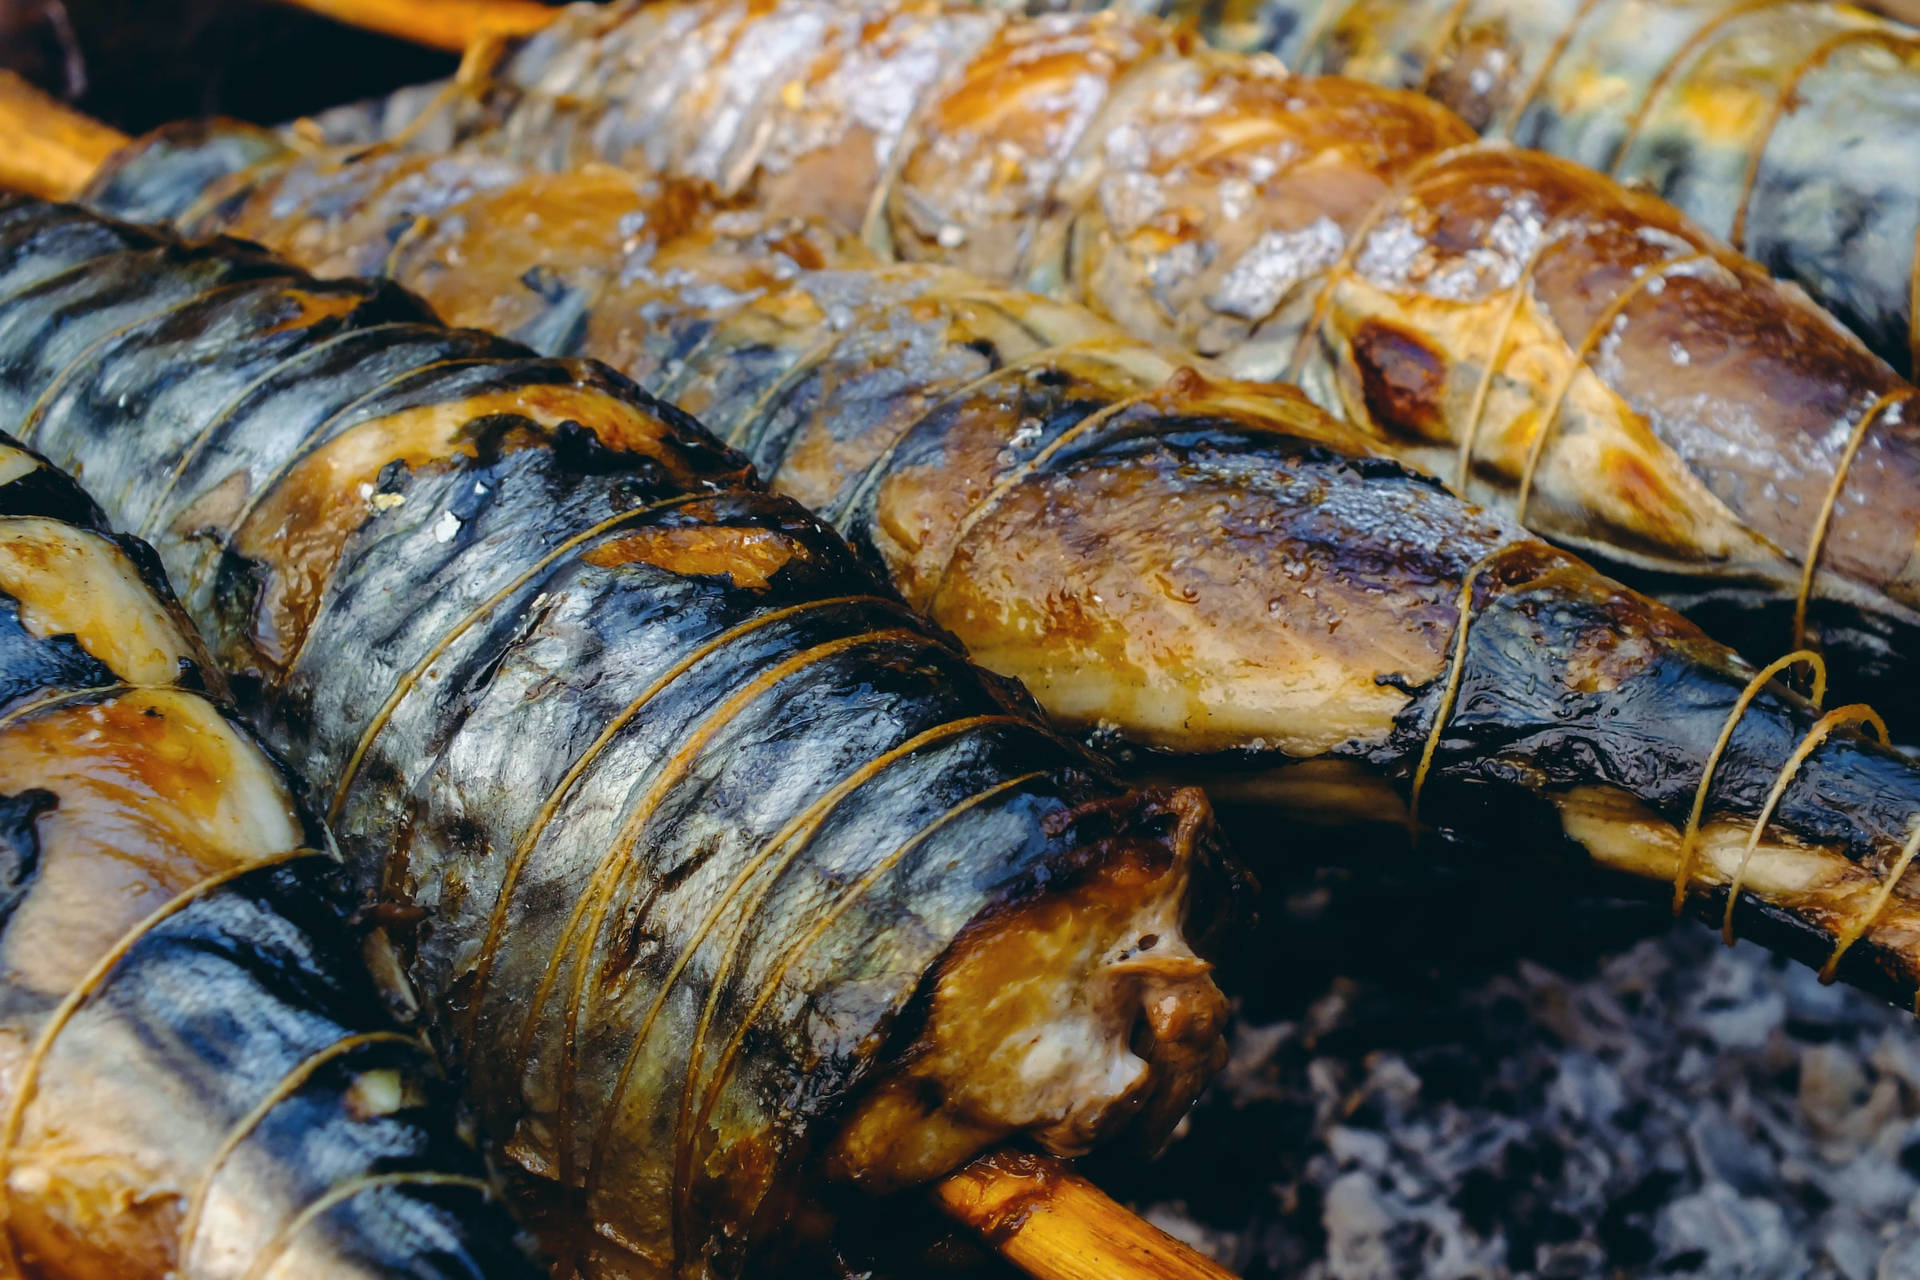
(46, 147)
(1050, 1222)
(452, 25)
(1044, 1218)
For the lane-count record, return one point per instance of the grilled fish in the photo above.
(1555, 345)
(1215, 576)
(1785, 127)
(717, 869)
(198, 1079)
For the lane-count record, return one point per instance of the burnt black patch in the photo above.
(580, 451)
(31, 665)
(20, 846)
(48, 493)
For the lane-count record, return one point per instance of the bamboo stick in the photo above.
(47, 148)
(1050, 1222)
(1043, 1218)
(452, 25)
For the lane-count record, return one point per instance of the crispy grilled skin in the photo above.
(675, 808)
(197, 1079)
(1787, 127)
(1553, 343)
(1216, 573)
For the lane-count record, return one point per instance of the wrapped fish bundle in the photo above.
(199, 1078)
(1221, 579)
(1558, 346)
(1786, 128)
(717, 870)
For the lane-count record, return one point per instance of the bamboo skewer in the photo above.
(1033, 1210)
(452, 25)
(46, 148)
(1050, 1222)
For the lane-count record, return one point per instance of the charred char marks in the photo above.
(1567, 683)
(31, 665)
(1402, 379)
(581, 452)
(1537, 705)
(47, 492)
(20, 846)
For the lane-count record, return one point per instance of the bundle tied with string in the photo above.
(1076, 464)
(1538, 335)
(661, 528)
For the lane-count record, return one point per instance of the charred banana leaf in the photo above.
(716, 867)
(1218, 576)
(200, 1080)
(1555, 345)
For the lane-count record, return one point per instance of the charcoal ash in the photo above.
(1680, 1110)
